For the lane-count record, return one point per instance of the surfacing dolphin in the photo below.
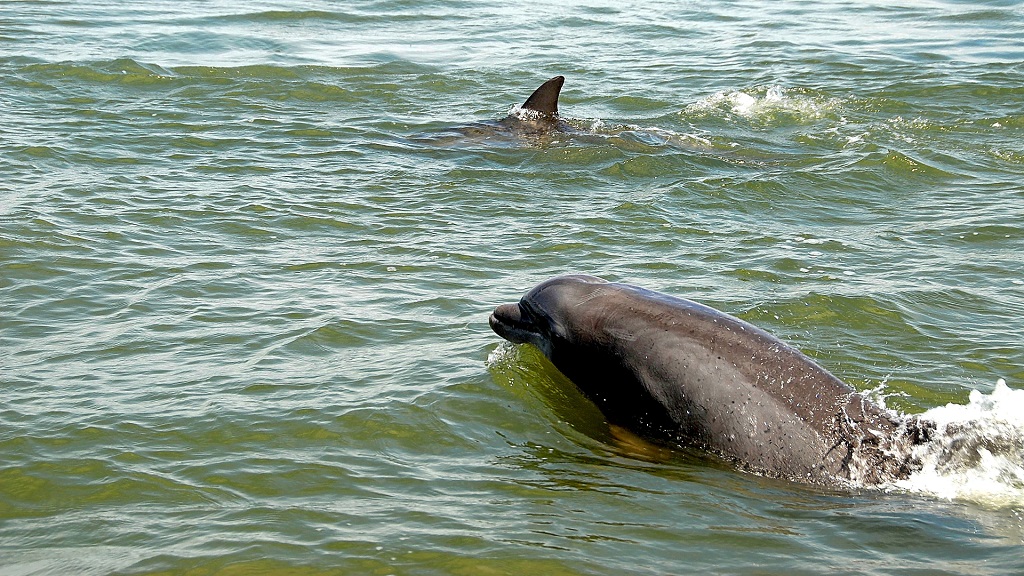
(537, 121)
(675, 369)
(540, 111)
(536, 117)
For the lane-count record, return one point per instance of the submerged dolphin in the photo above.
(680, 370)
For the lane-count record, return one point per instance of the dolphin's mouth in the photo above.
(509, 322)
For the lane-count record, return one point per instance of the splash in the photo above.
(503, 355)
(766, 104)
(977, 452)
(527, 115)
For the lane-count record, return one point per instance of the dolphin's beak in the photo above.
(507, 321)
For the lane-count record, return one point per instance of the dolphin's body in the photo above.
(669, 367)
(536, 117)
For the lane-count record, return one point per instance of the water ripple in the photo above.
(247, 258)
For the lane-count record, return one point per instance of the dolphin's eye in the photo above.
(526, 311)
(534, 315)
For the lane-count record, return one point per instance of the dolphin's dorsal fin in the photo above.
(545, 98)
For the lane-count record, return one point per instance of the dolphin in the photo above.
(674, 369)
(536, 117)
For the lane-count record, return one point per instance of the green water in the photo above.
(247, 258)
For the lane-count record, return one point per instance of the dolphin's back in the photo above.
(736, 390)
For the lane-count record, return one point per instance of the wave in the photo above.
(348, 16)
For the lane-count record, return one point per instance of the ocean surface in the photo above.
(248, 252)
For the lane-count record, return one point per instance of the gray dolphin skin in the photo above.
(539, 113)
(545, 98)
(678, 370)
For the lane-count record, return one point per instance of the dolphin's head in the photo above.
(541, 316)
(566, 317)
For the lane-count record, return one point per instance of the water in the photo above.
(246, 263)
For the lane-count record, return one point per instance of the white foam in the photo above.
(502, 355)
(527, 114)
(774, 100)
(742, 103)
(977, 452)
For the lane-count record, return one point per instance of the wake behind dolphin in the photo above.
(676, 369)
